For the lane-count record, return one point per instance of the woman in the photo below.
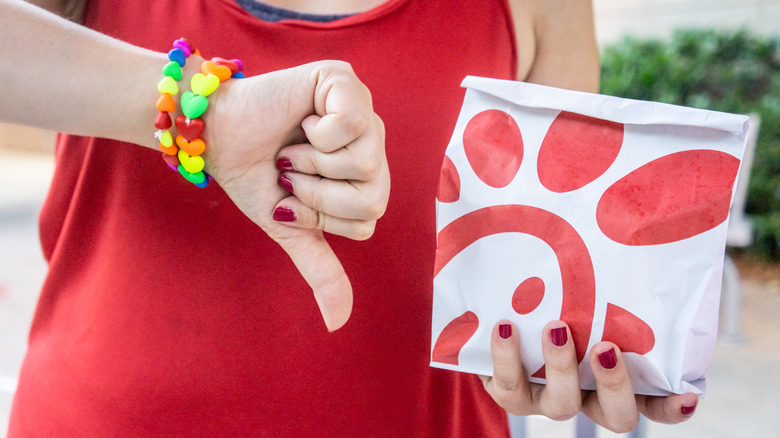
(167, 312)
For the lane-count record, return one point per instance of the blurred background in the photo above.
(715, 54)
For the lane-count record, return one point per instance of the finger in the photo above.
(319, 266)
(672, 409)
(560, 398)
(509, 386)
(343, 108)
(361, 160)
(339, 198)
(292, 212)
(613, 404)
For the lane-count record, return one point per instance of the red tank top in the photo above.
(167, 313)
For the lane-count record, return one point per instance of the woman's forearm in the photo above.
(61, 76)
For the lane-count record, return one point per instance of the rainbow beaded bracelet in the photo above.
(185, 155)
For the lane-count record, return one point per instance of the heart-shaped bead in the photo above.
(163, 120)
(165, 103)
(165, 138)
(193, 105)
(239, 63)
(220, 71)
(192, 148)
(191, 164)
(190, 131)
(168, 86)
(195, 178)
(172, 69)
(171, 160)
(184, 45)
(169, 150)
(224, 62)
(204, 84)
(177, 55)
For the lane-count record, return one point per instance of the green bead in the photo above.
(195, 178)
(172, 69)
(192, 105)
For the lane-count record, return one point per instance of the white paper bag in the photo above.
(607, 213)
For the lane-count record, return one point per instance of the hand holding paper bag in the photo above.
(608, 214)
(613, 405)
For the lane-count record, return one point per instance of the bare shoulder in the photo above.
(71, 9)
(556, 43)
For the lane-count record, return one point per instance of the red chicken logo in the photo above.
(676, 195)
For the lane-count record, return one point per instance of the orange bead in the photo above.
(220, 71)
(172, 150)
(165, 103)
(192, 148)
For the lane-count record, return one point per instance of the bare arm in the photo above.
(556, 43)
(61, 76)
(557, 47)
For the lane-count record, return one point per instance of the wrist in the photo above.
(181, 128)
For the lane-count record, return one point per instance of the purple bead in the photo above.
(184, 46)
(239, 63)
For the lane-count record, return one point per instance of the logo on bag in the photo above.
(666, 200)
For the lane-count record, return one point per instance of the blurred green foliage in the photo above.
(732, 71)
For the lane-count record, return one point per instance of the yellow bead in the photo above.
(168, 85)
(191, 164)
(166, 139)
(204, 85)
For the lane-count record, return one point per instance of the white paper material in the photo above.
(607, 213)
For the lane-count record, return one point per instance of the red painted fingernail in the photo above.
(558, 336)
(608, 359)
(687, 410)
(284, 214)
(284, 164)
(286, 183)
(505, 330)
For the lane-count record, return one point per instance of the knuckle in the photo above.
(623, 425)
(372, 202)
(354, 122)
(364, 230)
(563, 411)
(502, 399)
(617, 385)
(508, 387)
(315, 198)
(376, 209)
(366, 167)
(342, 66)
(514, 405)
(322, 221)
(562, 368)
(311, 162)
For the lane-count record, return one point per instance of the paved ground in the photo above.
(743, 398)
(24, 179)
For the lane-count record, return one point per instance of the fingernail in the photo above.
(504, 330)
(286, 183)
(284, 164)
(608, 359)
(687, 410)
(284, 214)
(558, 336)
